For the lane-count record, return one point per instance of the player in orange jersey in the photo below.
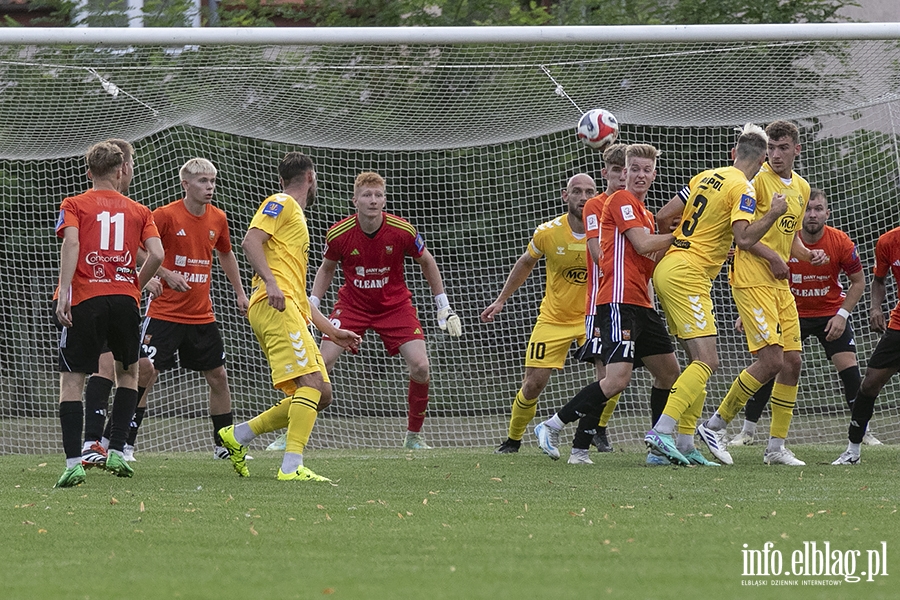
(100, 288)
(631, 331)
(180, 327)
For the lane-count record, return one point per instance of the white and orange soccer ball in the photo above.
(598, 128)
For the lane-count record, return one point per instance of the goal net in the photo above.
(476, 142)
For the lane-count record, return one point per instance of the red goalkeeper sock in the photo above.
(418, 402)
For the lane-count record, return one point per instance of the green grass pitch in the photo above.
(460, 523)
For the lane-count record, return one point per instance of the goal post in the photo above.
(473, 129)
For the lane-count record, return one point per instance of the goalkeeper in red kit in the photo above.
(371, 247)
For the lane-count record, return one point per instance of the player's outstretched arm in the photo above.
(747, 234)
(253, 248)
(324, 277)
(344, 338)
(777, 265)
(230, 265)
(815, 257)
(517, 276)
(647, 243)
(446, 316)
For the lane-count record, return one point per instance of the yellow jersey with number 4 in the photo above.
(718, 198)
(751, 270)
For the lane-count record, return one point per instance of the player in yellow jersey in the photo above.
(720, 209)
(277, 245)
(561, 318)
(765, 302)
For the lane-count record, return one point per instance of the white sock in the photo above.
(291, 462)
(775, 444)
(749, 428)
(554, 422)
(853, 448)
(716, 422)
(243, 434)
(105, 443)
(684, 442)
(665, 424)
(71, 462)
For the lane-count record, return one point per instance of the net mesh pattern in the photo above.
(476, 144)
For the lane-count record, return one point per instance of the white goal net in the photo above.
(476, 141)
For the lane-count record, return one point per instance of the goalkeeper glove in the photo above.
(447, 319)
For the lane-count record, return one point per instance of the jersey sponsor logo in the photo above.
(61, 219)
(95, 258)
(360, 271)
(272, 209)
(628, 213)
(854, 255)
(180, 261)
(575, 275)
(747, 204)
(181, 233)
(592, 223)
(787, 224)
(814, 293)
(370, 284)
(389, 249)
(420, 243)
(796, 278)
(212, 235)
(194, 277)
(683, 244)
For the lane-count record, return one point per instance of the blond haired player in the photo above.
(631, 331)
(561, 242)
(720, 209)
(765, 302)
(180, 327)
(277, 245)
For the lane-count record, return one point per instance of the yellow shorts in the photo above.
(550, 343)
(769, 316)
(684, 291)
(286, 341)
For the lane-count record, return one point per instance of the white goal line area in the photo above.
(475, 138)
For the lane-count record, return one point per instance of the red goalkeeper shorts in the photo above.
(395, 327)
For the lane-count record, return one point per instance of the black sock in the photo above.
(851, 380)
(589, 401)
(135, 423)
(71, 420)
(863, 408)
(755, 406)
(658, 399)
(96, 407)
(587, 427)
(218, 422)
(124, 405)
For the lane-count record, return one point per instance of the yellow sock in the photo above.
(271, 420)
(687, 424)
(784, 397)
(741, 390)
(523, 411)
(688, 387)
(608, 410)
(301, 418)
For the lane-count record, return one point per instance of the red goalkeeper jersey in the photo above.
(373, 265)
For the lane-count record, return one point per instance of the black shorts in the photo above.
(59, 326)
(199, 347)
(887, 353)
(631, 332)
(99, 324)
(591, 350)
(816, 326)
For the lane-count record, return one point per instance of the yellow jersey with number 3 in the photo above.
(751, 270)
(719, 197)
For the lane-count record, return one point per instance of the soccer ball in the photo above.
(597, 128)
